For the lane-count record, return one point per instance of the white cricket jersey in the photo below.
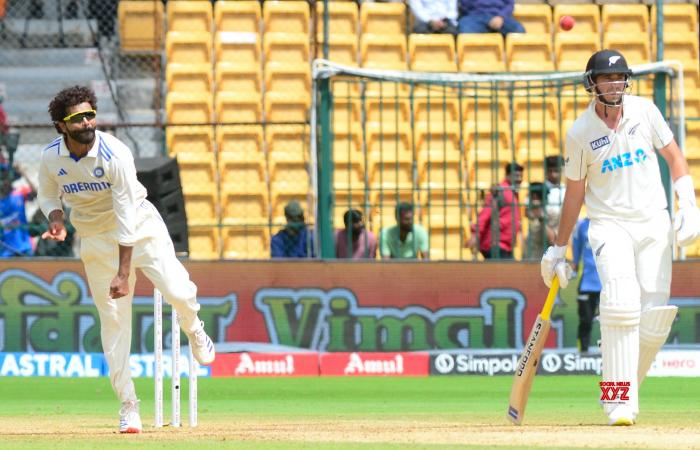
(621, 167)
(101, 188)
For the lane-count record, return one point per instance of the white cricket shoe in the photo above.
(622, 415)
(202, 346)
(129, 418)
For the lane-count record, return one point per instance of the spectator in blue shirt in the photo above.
(589, 288)
(294, 240)
(488, 16)
(14, 240)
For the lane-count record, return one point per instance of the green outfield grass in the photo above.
(309, 412)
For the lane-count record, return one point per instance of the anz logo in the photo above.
(624, 160)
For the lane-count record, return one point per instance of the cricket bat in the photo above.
(526, 369)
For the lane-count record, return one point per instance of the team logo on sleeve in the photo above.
(99, 172)
(600, 142)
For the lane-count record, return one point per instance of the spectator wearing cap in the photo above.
(294, 240)
(355, 241)
(405, 240)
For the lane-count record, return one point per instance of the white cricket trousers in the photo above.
(154, 254)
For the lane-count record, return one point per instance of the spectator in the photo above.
(589, 288)
(434, 16)
(554, 189)
(488, 16)
(540, 234)
(295, 240)
(15, 239)
(45, 247)
(405, 240)
(355, 241)
(498, 221)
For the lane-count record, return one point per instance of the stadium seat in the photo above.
(286, 47)
(572, 50)
(348, 174)
(240, 205)
(188, 47)
(485, 113)
(188, 77)
(342, 48)
(437, 141)
(284, 107)
(239, 16)
(529, 52)
(346, 111)
(587, 17)
(388, 110)
(573, 103)
(487, 152)
(625, 18)
(635, 45)
(692, 139)
(189, 16)
(244, 78)
(536, 109)
(243, 171)
(288, 77)
(195, 139)
(342, 19)
(201, 205)
(432, 52)
(286, 17)
(533, 142)
(239, 139)
(448, 242)
(480, 52)
(441, 171)
(188, 108)
(347, 147)
(679, 46)
(678, 18)
(197, 170)
(446, 207)
(245, 242)
(344, 200)
(386, 141)
(390, 171)
(232, 107)
(287, 143)
(237, 48)
(383, 18)
(536, 18)
(383, 51)
(436, 107)
(204, 242)
(140, 25)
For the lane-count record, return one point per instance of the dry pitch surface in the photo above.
(452, 412)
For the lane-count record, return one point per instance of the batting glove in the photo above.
(687, 220)
(554, 263)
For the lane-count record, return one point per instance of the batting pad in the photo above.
(654, 327)
(619, 329)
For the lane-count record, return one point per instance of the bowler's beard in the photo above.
(83, 136)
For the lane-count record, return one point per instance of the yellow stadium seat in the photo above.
(346, 112)
(237, 48)
(625, 18)
(691, 78)
(188, 77)
(286, 17)
(201, 205)
(287, 143)
(383, 51)
(572, 50)
(239, 16)
(536, 18)
(342, 48)
(288, 77)
(342, 19)
(345, 200)
(242, 78)
(480, 52)
(204, 243)
(529, 52)
(246, 242)
(348, 175)
(441, 172)
(347, 146)
(432, 52)
(635, 45)
(446, 207)
(692, 139)
(536, 109)
(388, 110)
(239, 139)
(587, 17)
(189, 16)
(243, 172)
(386, 141)
(197, 170)
(244, 206)
(283, 107)
(383, 18)
(286, 47)
(140, 25)
(678, 18)
(485, 113)
(279, 199)
(534, 141)
(679, 46)
(436, 107)
(573, 103)
(391, 173)
(188, 108)
(196, 139)
(437, 141)
(448, 243)
(232, 107)
(188, 47)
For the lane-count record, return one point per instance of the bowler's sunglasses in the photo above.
(78, 117)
